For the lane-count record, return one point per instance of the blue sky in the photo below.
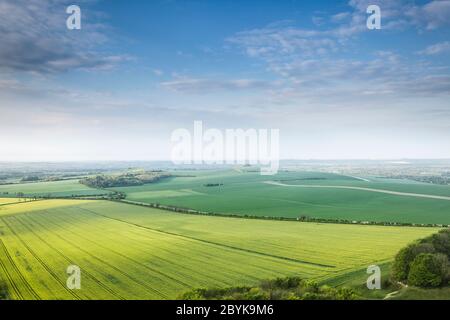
(137, 70)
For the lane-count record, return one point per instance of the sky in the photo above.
(138, 70)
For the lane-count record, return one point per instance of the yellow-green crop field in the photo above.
(132, 252)
(4, 201)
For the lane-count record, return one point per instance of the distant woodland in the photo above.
(124, 180)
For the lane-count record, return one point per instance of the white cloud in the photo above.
(433, 15)
(438, 48)
(307, 59)
(205, 86)
(340, 17)
(395, 13)
(34, 38)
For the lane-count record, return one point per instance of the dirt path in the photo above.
(405, 194)
(391, 295)
(394, 293)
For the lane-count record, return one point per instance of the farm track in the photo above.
(93, 278)
(144, 285)
(396, 193)
(215, 243)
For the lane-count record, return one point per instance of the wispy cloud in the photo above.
(317, 62)
(34, 38)
(433, 15)
(438, 48)
(340, 16)
(205, 86)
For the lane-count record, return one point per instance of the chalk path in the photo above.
(405, 194)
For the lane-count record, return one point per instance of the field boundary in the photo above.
(182, 210)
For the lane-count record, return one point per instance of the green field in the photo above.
(246, 193)
(64, 188)
(132, 252)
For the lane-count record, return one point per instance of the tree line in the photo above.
(249, 216)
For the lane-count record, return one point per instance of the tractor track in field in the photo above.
(89, 213)
(135, 261)
(8, 275)
(137, 281)
(28, 286)
(395, 193)
(182, 266)
(43, 264)
(71, 262)
(214, 243)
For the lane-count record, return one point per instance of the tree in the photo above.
(428, 270)
(405, 257)
(441, 242)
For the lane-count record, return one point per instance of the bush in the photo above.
(406, 256)
(291, 288)
(428, 270)
(345, 294)
(441, 242)
(424, 263)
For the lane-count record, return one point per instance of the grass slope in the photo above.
(131, 252)
(413, 293)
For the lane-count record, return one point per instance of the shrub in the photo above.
(441, 242)
(291, 288)
(345, 294)
(424, 263)
(428, 270)
(406, 256)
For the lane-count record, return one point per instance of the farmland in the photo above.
(64, 188)
(5, 201)
(133, 252)
(295, 194)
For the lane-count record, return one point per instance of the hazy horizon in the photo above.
(391, 160)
